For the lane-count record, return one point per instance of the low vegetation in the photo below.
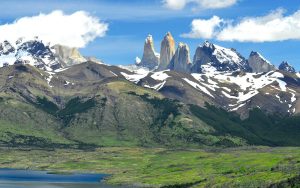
(235, 167)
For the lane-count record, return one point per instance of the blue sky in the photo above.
(130, 21)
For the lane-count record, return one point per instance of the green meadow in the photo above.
(160, 167)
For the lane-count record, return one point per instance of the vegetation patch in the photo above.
(249, 167)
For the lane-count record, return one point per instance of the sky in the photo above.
(115, 30)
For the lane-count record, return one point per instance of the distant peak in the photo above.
(208, 44)
(168, 37)
(182, 45)
(285, 66)
(285, 63)
(253, 53)
(149, 38)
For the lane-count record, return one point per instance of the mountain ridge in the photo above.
(92, 103)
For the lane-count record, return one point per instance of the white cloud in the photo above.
(215, 4)
(75, 30)
(175, 4)
(272, 27)
(204, 4)
(203, 28)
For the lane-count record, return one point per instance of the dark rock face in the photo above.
(150, 58)
(259, 64)
(181, 61)
(223, 59)
(36, 48)
(167, 51)
(285, 66)
(6, 48)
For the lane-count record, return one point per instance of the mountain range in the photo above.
(54, 96)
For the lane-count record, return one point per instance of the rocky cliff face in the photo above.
(150, 57)
(259, 64)
(68, 56)
(167, 51)
(6, 48)
(285, 66)
(181, 61)
(223, 59)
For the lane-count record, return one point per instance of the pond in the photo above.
(14, 178)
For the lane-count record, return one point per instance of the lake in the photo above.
(14, 178)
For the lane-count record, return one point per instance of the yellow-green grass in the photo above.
(157, 167)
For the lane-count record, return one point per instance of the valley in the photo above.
(220, 120)
(168, 168)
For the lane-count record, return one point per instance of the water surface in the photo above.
(14, 178)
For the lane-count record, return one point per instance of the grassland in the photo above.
(158, 167)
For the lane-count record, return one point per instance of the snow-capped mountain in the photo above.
(223, 59)
(224, 78)
(218, 76)
(36, 53)
(33, 52)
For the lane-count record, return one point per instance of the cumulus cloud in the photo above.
(74, 30)
(204, 4)
(272, 27)
(204, 28)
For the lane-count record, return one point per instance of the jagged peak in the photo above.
(168, 36)
(182, 45)
(168, 33)
(255, 53)
(285, 66)
(207, 44)
(149, 39)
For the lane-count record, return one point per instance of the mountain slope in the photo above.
(93, 104)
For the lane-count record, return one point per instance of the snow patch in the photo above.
(113, 73)
(293, 98)
(137, 60)
(134, 77)
(198, 87)
(282, 85)
(238, 107)
(225, 55)
(157, 86)
(61, 69)
(161, 76)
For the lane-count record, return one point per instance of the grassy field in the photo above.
(239, 167)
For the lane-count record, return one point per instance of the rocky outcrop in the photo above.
(150, 57)
(68, 56)
(222, 59)
(181, 60)
(167, 51)
(259, 64)
(285, 66)
(6, 48)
